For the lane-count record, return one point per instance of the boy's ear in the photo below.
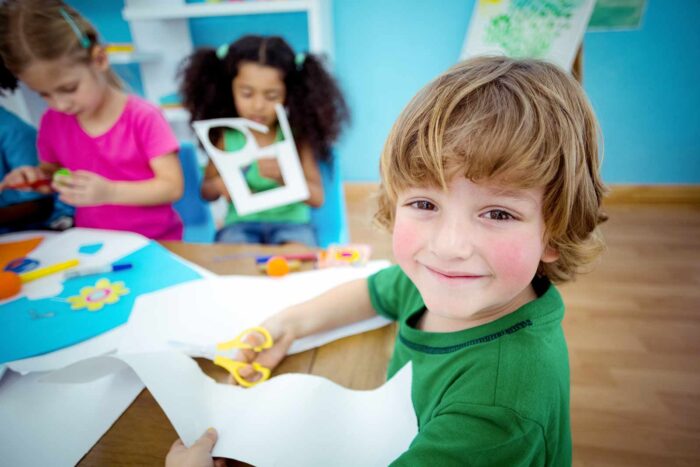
(99, 57)
(550, 254)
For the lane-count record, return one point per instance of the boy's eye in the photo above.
(423, 205)
(272, 96)
(498, 215)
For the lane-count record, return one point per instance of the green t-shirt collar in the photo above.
(548, 306)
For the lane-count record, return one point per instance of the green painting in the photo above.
(617, 14)
(546, 29)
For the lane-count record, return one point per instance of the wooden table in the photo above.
(143, 434)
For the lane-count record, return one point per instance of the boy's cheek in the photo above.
(404, 240)
(515, 260)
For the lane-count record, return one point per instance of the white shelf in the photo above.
(176, 114)
(198, 10)
(127, 58)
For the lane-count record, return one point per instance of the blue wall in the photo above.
(643, 83)
(645, 88)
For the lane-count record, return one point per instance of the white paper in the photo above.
(57, 424)
(231, 164)
(527, 29)
(290, 420)
(206, 312)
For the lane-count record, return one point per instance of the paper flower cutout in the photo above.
(94, 298)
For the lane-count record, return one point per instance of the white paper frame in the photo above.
(230, 164)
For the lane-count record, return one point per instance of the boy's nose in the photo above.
(453, 239)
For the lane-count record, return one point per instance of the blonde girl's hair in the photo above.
(32, 30)
(521, 123)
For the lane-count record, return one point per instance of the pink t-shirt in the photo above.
(122, 153)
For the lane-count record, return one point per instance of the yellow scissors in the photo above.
(234, 366)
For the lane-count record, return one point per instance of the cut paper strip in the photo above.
(57, 424)
(205, 312)
(100, 345)
(291, 419)
(18, 249)
(22, 335)
(90, 249)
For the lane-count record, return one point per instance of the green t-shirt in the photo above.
(493, 395)
(296, 213)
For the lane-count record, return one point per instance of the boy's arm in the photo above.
(482, 435)
(342, 305)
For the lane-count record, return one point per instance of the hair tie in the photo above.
(222, 51)
(82, 38)
(299, 60)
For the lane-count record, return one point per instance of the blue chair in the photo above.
(330, 220)
(194, 211)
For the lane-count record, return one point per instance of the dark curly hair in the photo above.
(8, 82)
(317, 109)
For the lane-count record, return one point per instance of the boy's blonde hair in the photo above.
(32, 30)
(523, 123)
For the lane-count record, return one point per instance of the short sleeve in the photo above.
(45, 148)
(473, 435)
(392, 293)
(155, 135)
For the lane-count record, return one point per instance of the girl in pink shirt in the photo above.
(122, 154)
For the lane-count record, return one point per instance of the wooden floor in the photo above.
(633, 328)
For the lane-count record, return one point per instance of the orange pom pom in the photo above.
(10, 284)
(277, 266)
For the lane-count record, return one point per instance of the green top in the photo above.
(296, 213)
(496, 394)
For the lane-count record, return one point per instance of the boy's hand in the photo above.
(269, 358)
(26, 175)
(83, 188)
(197, 455)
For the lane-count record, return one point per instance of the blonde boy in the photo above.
(490, 186)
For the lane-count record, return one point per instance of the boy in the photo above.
(490, 185)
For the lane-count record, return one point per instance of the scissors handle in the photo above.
(238, 342)
(234, 367)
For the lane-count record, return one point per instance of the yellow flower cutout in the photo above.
(94, 298)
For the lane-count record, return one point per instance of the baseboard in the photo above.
(653, 194)
(617, 194)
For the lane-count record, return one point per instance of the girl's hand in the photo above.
(26, 175)
(197, 455)
(221, 188)
(270, 168)
(83, 188)
(282, 339)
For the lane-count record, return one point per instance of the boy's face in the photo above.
(471, 251)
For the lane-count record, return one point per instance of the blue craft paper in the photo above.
(24, 335)
(90, 249)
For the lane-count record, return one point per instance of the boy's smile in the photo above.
(471, 251)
